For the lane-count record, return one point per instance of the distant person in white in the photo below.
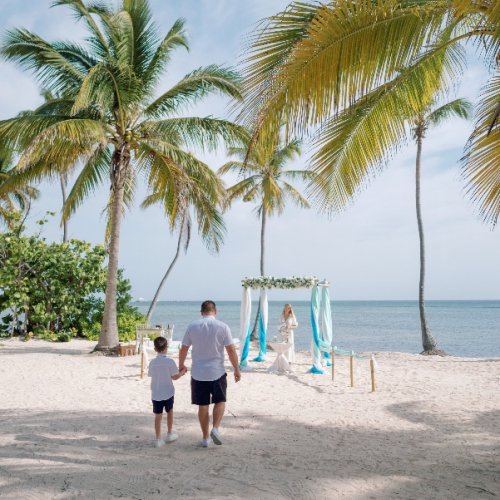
(209, 338)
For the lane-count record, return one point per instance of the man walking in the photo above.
(209, 337)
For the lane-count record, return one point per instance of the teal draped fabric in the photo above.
(262, 327)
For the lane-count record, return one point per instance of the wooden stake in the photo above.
(142, 355)
(372, 372)
(333, 364)
(351, 368)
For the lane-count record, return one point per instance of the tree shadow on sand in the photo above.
(46, 348)
(107, 455)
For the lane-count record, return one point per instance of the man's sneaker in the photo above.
(159, 443)
(171, 436)
(216, 436)
(205, 443)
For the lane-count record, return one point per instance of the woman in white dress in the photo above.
(288, 323)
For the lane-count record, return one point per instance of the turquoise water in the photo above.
(462, 328)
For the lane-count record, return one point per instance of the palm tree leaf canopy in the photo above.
(105, 117)
(314, 64)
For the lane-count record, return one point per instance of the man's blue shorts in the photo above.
(158, 406)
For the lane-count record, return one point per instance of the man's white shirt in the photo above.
(208, 337)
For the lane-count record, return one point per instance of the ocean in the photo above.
(461, 328)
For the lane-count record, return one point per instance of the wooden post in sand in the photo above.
(351, 368)
(142, 356)
(372, 371)
(333, 364)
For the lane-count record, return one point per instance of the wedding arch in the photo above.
(321, 316)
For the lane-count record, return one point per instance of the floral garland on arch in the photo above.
(284, 283)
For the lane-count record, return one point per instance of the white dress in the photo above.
(286, 328)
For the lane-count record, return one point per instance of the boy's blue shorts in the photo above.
(158, 406)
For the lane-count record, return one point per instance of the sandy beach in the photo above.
(77, 425)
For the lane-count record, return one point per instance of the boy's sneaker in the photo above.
(171, 436)
(205, 443)
(159, 443)
(216, 436)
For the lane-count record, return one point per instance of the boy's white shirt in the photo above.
(161, 370)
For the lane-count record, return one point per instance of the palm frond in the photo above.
(176, 37)
(17, 133)
(347, 50)
(98, 89)
(356, 144)
(205, 133)
(60, 145)
(52, 70)
(80, 11)
(461, 108)
(93, 174)
(481, 162)
(195, 86)
(144, 34)
(286, 154)
(295, 195)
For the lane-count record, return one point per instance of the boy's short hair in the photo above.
(160, 344)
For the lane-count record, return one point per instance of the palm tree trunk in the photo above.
(108, 339)
(262, 242)
(64, 182)
(428, 342)
(170, 267)
(262, 269)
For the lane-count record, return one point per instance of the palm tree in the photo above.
(16, 199)
(350, 151)
(431, 117)
(200, 194)
(265, 181)
(111, 118)
(315, 60)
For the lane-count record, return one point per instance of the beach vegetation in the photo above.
(16, 201)
(53, 290)
(110, 117)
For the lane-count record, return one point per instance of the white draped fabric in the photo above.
(326, 321)
(245, 312)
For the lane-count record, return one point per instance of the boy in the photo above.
(162, 371)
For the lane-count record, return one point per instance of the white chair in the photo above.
(144, 343)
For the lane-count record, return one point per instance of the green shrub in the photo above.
(127, 324)
(55, 291)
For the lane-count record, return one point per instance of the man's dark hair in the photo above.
(161, 344)
(208, 307)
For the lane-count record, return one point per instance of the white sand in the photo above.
(75, 425)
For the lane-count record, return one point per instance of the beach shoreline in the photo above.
(75, 424)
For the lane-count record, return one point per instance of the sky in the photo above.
(368, 252)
